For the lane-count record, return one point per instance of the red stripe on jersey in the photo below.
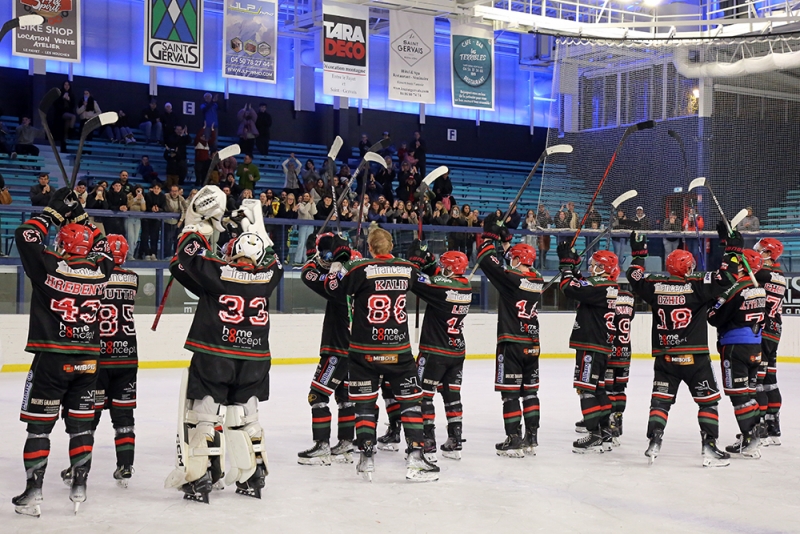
(63, 347)
(226, 351)
(37, 224)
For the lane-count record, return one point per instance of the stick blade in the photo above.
(624, 197)
(644, 125)
(375, 158)
(229, 151)
(559, 149)
(434, 174)
(49, 99)
(697, 182)
(335, 147)
(739, 217)
(30, 20)
(109, 117)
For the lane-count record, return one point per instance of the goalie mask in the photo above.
(248, 245)
(119, 248)
(75, 239)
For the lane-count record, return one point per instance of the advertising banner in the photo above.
(472, 71)
(344, 50)
(412, 72)
(59, 38)
(250, 40)
(173, 34)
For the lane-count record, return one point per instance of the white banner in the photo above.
(173, 34)
(249, 42)
(412, 70)
(345, 55)
(472, 68)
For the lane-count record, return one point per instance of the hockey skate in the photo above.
(199, 489)
(593, 442)
(530, 441)
(580, 427)
(391, 440)
(746, 446)
(342, 452)
(608, 439)
(773, 431)
(712, 456)
(615, 423)
(123, 475)
(366, 464)
(28, 503)
(452, 447)
(66, 477)
(418, 468)
(655, 446)
(512, 447)
(319, 454)
(253, 486)
(77, 492)
(429, 446)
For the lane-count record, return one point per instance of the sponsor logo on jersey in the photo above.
(586, 373)
(81, 368)
(391, 285)
(672, 289)
(456, 343)
(625, 300)
(326, 376)
(458, 296)
(754, 293)
(81, 333)
(671, 340)
(388, 335)
(500, 369)
(118, 348)
(66, 270)
(74, 288)
(240, 336)
(533, 287)
(378, 271)
(123, 279)
(27, 392)
(611, 293)
(232, 274)
(778, 278)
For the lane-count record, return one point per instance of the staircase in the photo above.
(52, 166)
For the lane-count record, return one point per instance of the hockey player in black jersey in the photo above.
(64, 336)
(119, 361)
(738, 314)
(519, 286)
(680, 343)
(771, 278)
(229, 336)
(380, 347)
(592, 338)
(447, 295)
(619, 362)
(330, 377)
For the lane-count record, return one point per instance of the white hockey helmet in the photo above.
(248, 245)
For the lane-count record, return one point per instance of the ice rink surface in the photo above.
(556, 491)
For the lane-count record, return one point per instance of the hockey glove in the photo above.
(733, 242)
(61, 205)
(419, 255)
(568, 258)
(638, 245)
(207, 207)
(311, 246)
(341, 249)
(493, 230)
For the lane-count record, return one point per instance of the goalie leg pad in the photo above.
(204, 441)
(243, 441)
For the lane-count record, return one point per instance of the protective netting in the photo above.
(734, 113)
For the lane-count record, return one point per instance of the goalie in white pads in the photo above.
(229, 371)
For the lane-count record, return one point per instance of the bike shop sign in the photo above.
(58, 38)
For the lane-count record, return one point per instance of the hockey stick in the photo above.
(225, 153)
(375, 158)
(332, 153)
(630, 130)
(580, 256)
(104, 119)
(739, 217)
(21, 22)
(700, 247)
(701, 182)
(47, 101)
(624, 197)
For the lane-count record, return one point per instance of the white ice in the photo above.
(556, 491)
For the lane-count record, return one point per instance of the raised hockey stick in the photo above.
(104, 119)
(630, 130)
(739, 217)
(332, 153)
(163, 302)
(21, 22)
(375, 158)
(700, 247)
(703, 182)
(555, 149)
(48, 100)
(589, 247)
(624, 197)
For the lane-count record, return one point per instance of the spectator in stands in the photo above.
(80, 192)
(408, 182)
(244, 195)
(230, 202)
(263, 125)
(390, 149)
(144, 171)
(376, 213)
(151, 123)
(156, 202)
(364, 144)
(117, 201)
(180, 140)
(41, 192)
(595, 218)
(230, 183)
(562, 221)
(169, 119)
(420, 150)
(173, 203)
(374, 189)
(65, 114)
(247, 131)
(412, 215)
(173, 168)
(345, 213)
(248, 173)
(319, 191)
(386, 176)
(513, 218)
(210, 111)
(570, 215)
(133, 225)
(96, 200)
(339, 188)
(26, 135)
(273, 208)
(88, 108)
(641, 219)
(749, 224)
(202, 154)
(345, 172)
(440, 215)
(402, 152)
(309, 173)
(6, 141)
(305, 212)
(456, 239)
(671, 224)
(291, 170)
(543, 220)
(227, 167)
(324, 208)
(443, 188)
(620, 222)
(691, 224)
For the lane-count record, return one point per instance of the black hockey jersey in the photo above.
(520, 297)
(378, 287)
(774, 283)
(679, 308)
(623, 316)
(448, 301)
(232, 317)
(67, 292)
(117, 330)
(336, 324)
(739, 312)
(594, 321)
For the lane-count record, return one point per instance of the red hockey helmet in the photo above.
(680, 263)
(75, 239)
(119, 248)
(608, 261)
(355, 255)
(770, 245)
(456, 262)
(525, 253)
(754, 259)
